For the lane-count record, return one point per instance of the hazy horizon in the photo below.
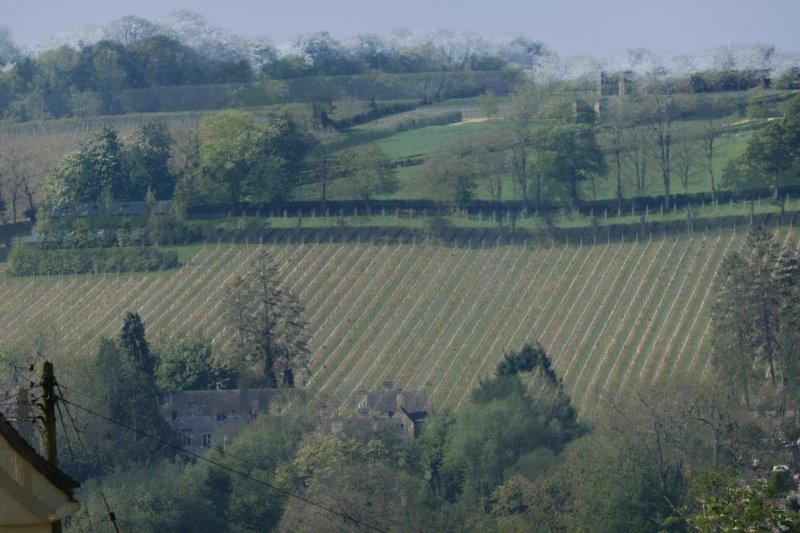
(596, 28)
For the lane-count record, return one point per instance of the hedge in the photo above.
(87, 235)
(26, 261)
(379, 110)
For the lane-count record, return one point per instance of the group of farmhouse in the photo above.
(35, 494)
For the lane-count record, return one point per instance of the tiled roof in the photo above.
(416, 403)
(213, 402)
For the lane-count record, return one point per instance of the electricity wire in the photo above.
(230, 469)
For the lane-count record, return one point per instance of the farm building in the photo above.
(207, 418)
(393, 410)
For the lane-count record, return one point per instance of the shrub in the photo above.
(376, 111)
(159, 230)
(25, 261)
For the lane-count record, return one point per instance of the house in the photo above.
(390, 409)
(33, 492)
(213, 417)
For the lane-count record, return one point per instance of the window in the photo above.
(221, 417)
(206, 439)
(187, 437)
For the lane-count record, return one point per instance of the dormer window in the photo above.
(221, 417)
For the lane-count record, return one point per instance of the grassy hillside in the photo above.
(429, 141)
(612, 314)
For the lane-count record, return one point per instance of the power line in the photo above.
(74, 460)
(9, 397)
(111, 516)
(244, 475)
(177, 433)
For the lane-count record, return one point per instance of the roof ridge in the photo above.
(52, 473)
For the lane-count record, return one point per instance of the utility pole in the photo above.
(48, 406)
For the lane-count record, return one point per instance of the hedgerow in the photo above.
(27, 261)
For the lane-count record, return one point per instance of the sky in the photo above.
(571, 27)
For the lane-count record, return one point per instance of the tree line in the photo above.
(555, 151)
(551, 150)
(51, 85)
(57, 82)
(234, 158)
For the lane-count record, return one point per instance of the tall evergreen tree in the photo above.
(270, 334)
(134, 344)
(756, 320)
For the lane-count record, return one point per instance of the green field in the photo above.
(429, 141)
(611, 314)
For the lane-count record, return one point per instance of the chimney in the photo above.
(24, 415)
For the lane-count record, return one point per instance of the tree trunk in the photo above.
(576, 202)
(523, 183)
(776, 184)
(619, 178)
(711, 170)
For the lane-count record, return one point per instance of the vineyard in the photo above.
(612, 314)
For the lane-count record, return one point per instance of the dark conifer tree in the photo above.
(134, 344)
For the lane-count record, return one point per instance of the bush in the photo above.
(159, 230)
(189, 364)
(439, 226)
(25, 261)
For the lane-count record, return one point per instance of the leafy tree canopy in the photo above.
(245, 160)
